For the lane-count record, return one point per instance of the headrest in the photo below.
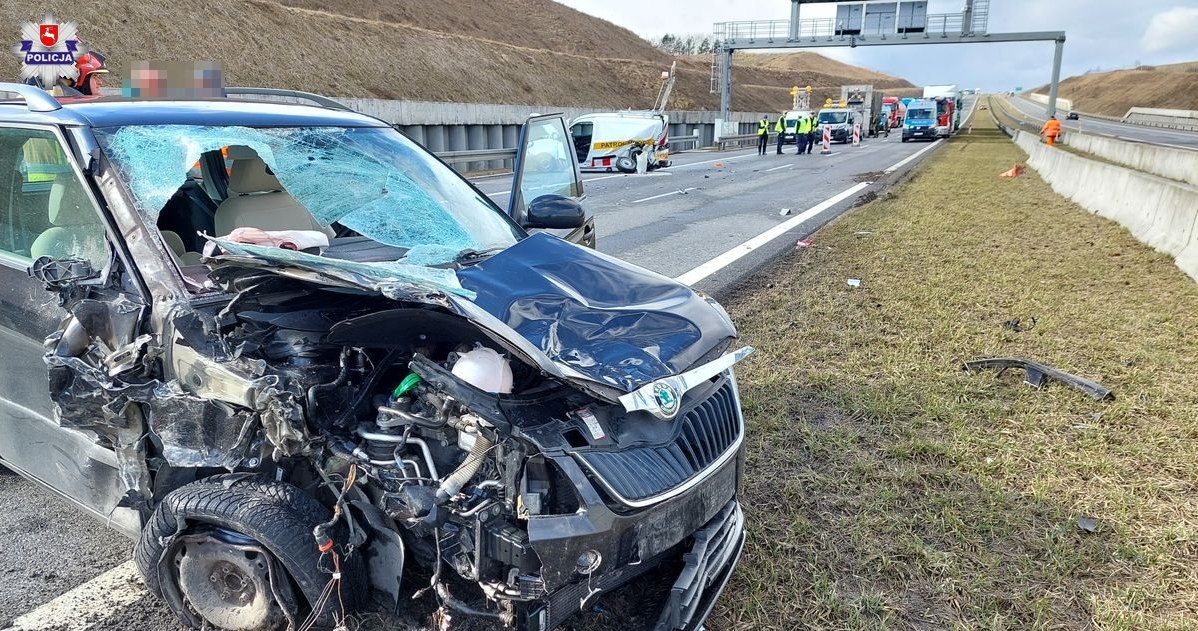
(173, 241)
(240, 152)
(69, 205)
(249, 176)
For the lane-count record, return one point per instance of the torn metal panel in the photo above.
(1038, 375)
(197, 432)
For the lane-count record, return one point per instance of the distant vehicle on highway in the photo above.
(893, 110)
(841, 120)
(920, 121)
(1071, 116)
(790, 125)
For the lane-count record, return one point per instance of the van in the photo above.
(920, 120)
(614, 140)
(841, 121)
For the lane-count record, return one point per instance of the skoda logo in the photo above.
(666, 397)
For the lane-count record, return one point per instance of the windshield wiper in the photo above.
(471, 254)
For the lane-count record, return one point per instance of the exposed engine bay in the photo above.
(463, 458)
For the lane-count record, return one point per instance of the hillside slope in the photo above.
(816, 63)
(487, 51)
(1172, 86)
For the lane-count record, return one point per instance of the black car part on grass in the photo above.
(1038, 375)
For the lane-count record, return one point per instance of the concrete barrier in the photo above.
(1160, 213)
(1168, 162)
(1157, 117)
(1042, 99)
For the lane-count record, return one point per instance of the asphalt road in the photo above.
(1123, 131)
(703, 208)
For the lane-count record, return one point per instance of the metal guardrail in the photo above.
(737, 140)
(477, 155)
(933, 24)
(493, 155)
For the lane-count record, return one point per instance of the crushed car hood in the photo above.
(580, 315)
(615, 323)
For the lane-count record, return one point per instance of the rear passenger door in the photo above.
(45, 210)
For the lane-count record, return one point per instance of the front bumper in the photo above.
(704, 527)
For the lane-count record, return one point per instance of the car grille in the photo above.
(639, 475)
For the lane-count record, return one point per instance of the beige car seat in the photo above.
(77, 231)
(178, 250)
(256, 200)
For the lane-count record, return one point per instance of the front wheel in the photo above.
(237, 553)
(627, 164)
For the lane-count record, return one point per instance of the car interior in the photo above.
(234, 188)
(47, 211)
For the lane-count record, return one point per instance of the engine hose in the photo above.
(465, 471)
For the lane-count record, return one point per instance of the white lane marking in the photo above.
(785, 166)
(77, 609)
(695, 164)
(727, 258)
(901, 163)
(683, 191)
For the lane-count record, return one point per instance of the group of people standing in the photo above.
(805, 132)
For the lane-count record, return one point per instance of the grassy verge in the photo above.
(889, 489)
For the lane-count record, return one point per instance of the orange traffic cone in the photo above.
(1014, 171)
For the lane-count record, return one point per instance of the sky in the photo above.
(1100, 34)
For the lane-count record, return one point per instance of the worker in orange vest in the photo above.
(1051, 129)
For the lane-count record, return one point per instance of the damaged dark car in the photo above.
(301, 360)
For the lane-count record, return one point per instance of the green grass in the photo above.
(889, 489)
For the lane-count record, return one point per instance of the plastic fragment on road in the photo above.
(803, 244)
(1014, 171)
(854, 282)
(1037, 374)
(719, 164)
(784, 211)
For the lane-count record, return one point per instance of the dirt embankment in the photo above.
(483, 51)
(1112, 93)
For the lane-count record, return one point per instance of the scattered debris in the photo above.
(1018, 326)
(863, 233)
(1088, 523)
(784, 211)
(1014, 171)
(854, 282)
(803, 243)
(719, 164)
(1038, 374)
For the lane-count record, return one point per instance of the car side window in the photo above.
(44, 207)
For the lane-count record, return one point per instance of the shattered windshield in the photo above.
(358, 182)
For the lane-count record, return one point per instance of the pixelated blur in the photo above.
(149, 80)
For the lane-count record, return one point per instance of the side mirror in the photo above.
(60, 274)
(554, 211)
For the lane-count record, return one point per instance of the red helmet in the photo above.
(89, 64)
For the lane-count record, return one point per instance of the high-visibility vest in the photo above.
(781, 125)
(763, 128)
(805, 125)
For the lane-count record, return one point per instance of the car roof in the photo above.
(118, 111)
